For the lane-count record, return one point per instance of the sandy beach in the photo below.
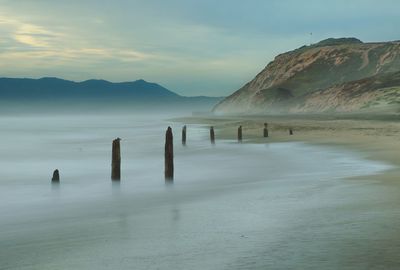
(376, 137)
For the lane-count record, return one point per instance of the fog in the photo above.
(231, 206)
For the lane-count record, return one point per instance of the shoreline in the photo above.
(375, 139)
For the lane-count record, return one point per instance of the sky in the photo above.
(192, 47)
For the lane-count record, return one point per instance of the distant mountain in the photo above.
(308, 79)
(49, 88)
(59, 91)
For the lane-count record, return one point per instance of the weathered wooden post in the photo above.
(184, 135)
(265, 133)
(116, 160)
(265, 130)
(240, 136)
(212, 135)
(169, 155)
(290, 131)
(56, 177)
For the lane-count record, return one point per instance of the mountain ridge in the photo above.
(94, 93)
(15, 87)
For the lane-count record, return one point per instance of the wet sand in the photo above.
(376, 137)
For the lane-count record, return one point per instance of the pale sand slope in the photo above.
(376, 137)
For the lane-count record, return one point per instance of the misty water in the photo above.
(232, 206)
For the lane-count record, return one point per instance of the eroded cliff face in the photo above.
(286, 83)
(377, 93)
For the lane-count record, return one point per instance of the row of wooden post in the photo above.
(168, 154)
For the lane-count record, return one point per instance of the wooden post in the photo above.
(240, 137)
(212, 135)
(265, 130)
(184, 135)
(116, 160)
(290, 131)
(56, 177)
(265, 133)
(169, 155)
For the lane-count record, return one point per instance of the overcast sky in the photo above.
(193, 47)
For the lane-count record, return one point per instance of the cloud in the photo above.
(24, 41)
(33, 35)
(25, 35)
